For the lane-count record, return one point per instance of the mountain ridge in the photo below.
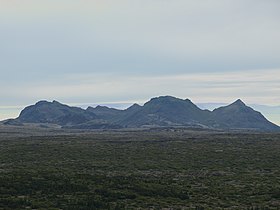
(162, 111)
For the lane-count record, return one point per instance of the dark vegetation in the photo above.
(152, 169)
(164, 111)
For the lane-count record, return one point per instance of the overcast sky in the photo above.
(108, 51)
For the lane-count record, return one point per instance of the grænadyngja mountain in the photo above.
(163, 111)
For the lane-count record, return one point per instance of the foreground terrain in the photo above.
(145, 169)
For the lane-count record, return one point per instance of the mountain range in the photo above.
(163, 111)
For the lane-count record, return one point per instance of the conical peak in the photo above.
(239, 102)
(134, 106)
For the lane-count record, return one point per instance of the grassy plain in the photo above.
(156, 169)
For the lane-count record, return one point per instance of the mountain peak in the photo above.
(45, 102)
(163, 99)
(101, 107)
(188, 100)
(54, 101)
(42, 102)
(159, 111)
(54, 112)
(239, 102)
(170, 98)
(134, 107)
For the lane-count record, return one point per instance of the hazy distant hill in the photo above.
(104, 112)
(272, 113)
(166, 111)
(55, 113)
(161, 111)
(238, 115)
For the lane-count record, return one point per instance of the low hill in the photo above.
(54, 113)
(238, 115)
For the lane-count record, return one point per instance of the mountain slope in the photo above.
(160, 111)
(55, 113)
(104, 112)
(165, 111)
(238, 115)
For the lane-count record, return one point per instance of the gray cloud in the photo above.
(43, 43)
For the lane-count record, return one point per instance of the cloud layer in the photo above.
(107, 50)
(259, 86)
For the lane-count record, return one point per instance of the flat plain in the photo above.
(138, 169)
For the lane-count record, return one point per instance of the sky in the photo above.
(126, 51)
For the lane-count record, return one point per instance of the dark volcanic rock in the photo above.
(164, 111)
(55, 113)
(239, 116)
(104, 112)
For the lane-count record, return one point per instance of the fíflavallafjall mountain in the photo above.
(163, 111)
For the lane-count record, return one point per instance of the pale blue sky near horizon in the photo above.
(105, 51)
